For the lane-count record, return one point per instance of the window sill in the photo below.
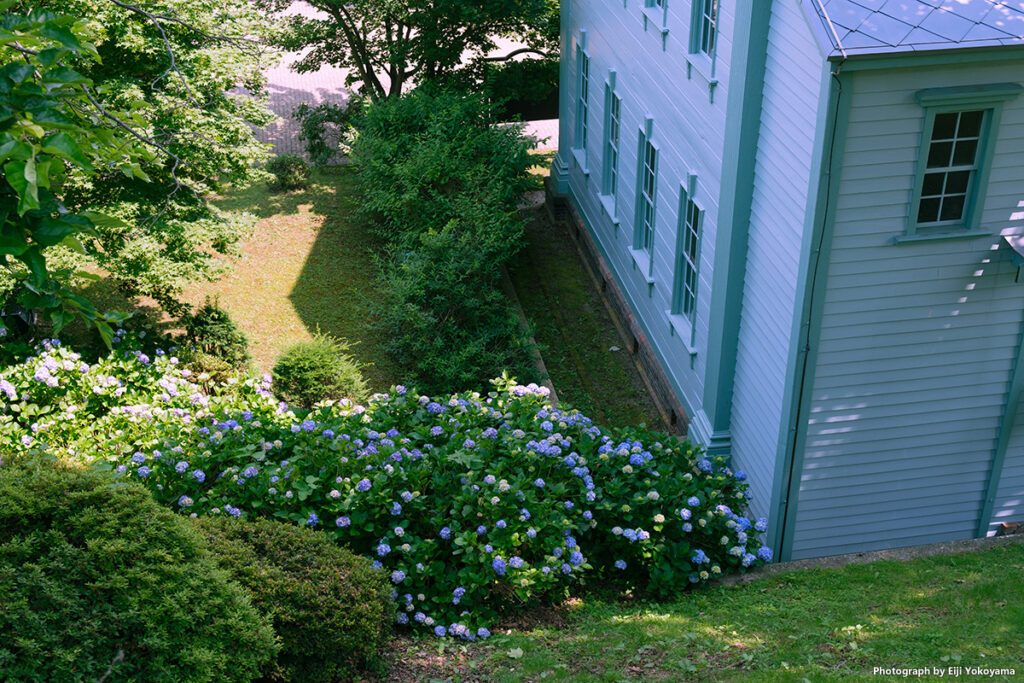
(939, 236)
(608, 203)
(655, 16)
(580, 155)
(683, 329)
(642, 261)
(702, 64)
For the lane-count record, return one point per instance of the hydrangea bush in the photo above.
(471, 504)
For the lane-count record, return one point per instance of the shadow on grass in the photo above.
(337, 287)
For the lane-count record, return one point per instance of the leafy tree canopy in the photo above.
(387, 44)
(139, 98)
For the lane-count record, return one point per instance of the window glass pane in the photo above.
(929, 211)
(939, 154)
(965, 152)
(932, 184)
(956, 182)
(970, 124)
(945, 127)
(953, 208)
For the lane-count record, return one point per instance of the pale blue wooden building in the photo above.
(810, 215)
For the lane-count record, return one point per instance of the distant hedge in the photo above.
(440, 180)
(96, 576)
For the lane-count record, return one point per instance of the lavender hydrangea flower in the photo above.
(343, 521)
(397, 576)
(363, 485)
(181, 467)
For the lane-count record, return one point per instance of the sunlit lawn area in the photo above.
(307, 266)
(822, 624)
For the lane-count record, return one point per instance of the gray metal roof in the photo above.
(852, 27)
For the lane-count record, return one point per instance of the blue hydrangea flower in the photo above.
(765, 553)
(620, 564)
(483, 633)
(436, 430)
(185, 502)
(699, 556)
(144, 471)
(250, 472)
(308, 425)
(343, 521)
(446, 533)
(397, 576)
(761, 524)
(704, 465)
(181, 467)
(575, 558)
(406, 496)
(740, 475)
(363, 485)
(498, 565)
(488, 548)
(500, 524)
(515, 562)
(747, 560)
(383, 549)
(481, 530)
(435, 408)
(396, 509)
(693, 501)
(419, 617)
(328, 434)
(539, 483)
(588, 515)
(312, 520)
(566, 569)
(532, 533)
(139, 458)
(402, 618)
(439, 630)
(199, 475)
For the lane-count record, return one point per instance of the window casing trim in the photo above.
(988, 98)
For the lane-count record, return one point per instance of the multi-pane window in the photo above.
(582, 94)
(648, 192)
(684, 292)
(610, 181)
(706, 23)
(952, 163)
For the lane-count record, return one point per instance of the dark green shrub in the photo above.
(291, 172)
(440, 180)
(326, 129)
(210, 330)
(330, 608)
(317, 370)
(442, 324)
(92, 570)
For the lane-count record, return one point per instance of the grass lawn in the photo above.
(307, 266)
(589, 366)
(822, 624)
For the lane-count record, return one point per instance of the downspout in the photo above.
(812, 310)
(1013, 397)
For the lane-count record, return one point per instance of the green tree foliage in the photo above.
(174, 65)
(52, 127)
(115, 126)
(387, 44)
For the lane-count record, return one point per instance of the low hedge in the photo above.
(96, 577)
(330, 608)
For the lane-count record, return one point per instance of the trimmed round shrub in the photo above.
(330, 608)
(290, 171)
(211, 331)
(316, 370)
(95, 576)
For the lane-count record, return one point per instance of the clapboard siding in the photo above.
(688, 130)
(1009, 506)
(782, 186)
(916, 342)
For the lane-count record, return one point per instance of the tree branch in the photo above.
(520, 51)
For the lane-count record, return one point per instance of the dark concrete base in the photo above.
(905, 553)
